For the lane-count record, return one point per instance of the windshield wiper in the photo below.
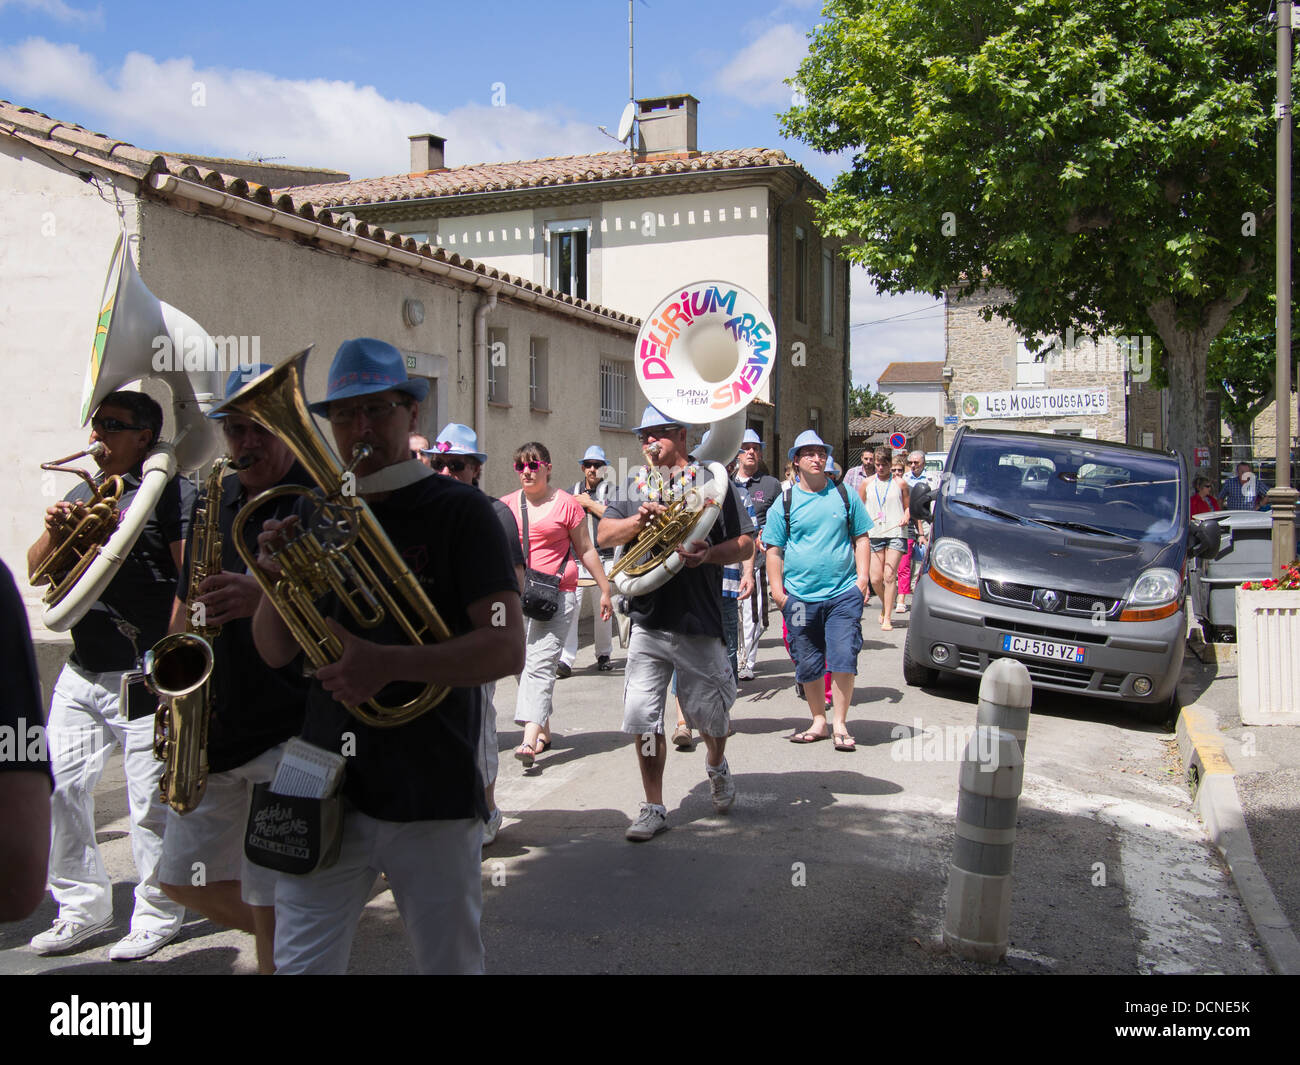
(1081, 527)
(996, 512)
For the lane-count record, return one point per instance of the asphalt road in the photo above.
(829, 861)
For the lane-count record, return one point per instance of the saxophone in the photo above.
(179, 666)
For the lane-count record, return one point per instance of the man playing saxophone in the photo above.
(86, 721)
(413, 799)
(254, 708)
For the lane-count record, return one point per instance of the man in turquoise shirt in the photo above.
(818, 568)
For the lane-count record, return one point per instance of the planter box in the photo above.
(1268, 656)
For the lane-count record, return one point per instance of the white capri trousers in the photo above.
(544, 641)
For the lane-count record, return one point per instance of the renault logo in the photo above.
(1046, 599)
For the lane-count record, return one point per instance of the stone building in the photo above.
(624, 228)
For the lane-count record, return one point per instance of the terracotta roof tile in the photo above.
(530, 173)
(888, 423)
(912, 373)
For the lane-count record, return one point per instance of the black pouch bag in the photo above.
(293, 834)
(541, 592)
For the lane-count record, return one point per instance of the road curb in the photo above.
(1217, 804)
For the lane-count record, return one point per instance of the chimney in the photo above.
(426, 152)
(666, 127)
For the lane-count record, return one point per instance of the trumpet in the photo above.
(77, 537)
(342, 548)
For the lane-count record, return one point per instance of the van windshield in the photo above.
(1088, 490)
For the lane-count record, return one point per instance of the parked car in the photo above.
(1063, 553)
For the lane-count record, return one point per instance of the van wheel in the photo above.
(915, 674)
(1163, 713)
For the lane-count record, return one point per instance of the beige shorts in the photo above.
(705, 685)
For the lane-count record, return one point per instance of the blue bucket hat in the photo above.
(653, 418)
(751, 437)
(364, 366)
(596, 453)
(239, 377)
(457, 439)
(808, 438)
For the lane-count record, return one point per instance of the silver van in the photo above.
(1067, 554)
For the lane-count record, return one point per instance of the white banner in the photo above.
(1038, 403)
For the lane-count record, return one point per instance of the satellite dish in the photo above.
(625, 123)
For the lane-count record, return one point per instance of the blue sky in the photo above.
(343, 84)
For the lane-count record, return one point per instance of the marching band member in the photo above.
(762, 488)
(254, 708)
(86, 721)
(591, 493)
(677, 626)
(413, 804)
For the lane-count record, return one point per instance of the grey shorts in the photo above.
(892, 543)
(705, 684)
(206, 845)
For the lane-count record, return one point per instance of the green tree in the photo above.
(1107, 162)
(864, 402)
(1243, 366)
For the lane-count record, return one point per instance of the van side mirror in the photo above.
(1204, 539)
(921, 502)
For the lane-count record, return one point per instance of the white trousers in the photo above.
(604, 630)
(434, 870)
(488, 757)
(86, 725)
(544, 640)
(751, 622)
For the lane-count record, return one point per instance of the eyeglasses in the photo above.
(455, 465)
(373, 412)
(534, 466)
(592, 465)
(112, 425)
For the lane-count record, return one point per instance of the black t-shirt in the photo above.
(144, 586)
(510, 527)
(600, 494)
(21, 715)
(254, 707)
(690, 603)
(425, 770)
(763, 491)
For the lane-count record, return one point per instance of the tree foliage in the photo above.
(863, 402)
(1243, 364)
(1107, 162)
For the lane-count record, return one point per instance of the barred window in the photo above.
(613, 394)
(496, 369)
(537, 351)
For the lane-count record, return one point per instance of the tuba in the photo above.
(702, 355)
(133, 323)
(342, 548)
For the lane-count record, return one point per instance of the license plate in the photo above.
(1058, 652)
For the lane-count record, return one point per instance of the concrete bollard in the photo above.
(978, 913)
(1005, 694)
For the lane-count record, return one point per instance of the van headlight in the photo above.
(952, 566)
(1157, 593)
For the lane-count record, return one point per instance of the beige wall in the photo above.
(917, 401)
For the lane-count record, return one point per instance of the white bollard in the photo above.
(1005, 694)
(978, 913)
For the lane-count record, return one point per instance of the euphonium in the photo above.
(179, 667)
(77, 537)
(342, 548)
(703, 354)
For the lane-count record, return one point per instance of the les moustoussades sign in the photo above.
(1040, 403)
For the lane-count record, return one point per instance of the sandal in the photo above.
(809, 737)
(526, 755)
(845, 742)
(542, 746)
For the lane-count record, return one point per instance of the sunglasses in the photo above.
(455, 465)
(112, 425)
(534, 466)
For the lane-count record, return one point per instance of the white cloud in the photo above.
(173, 104)
(57, 9)
(915, 332)
(756, 75)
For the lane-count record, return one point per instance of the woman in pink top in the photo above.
(557, 532)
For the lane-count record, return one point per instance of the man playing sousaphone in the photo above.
(254, 708)
(413, 799)
(678, 626)
(86, 720)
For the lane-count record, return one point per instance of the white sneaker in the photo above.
(722, 786)
(652, 820)
(745, 673)
(140, 944)
(65, 934)
(492, 827)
